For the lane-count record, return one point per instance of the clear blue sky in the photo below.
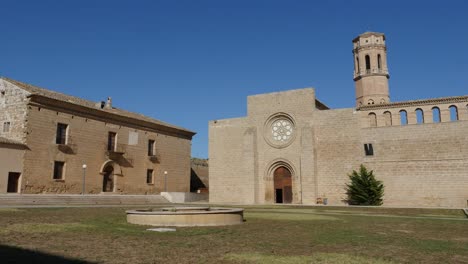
(188, 62)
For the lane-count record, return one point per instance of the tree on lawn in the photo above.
(364, 189)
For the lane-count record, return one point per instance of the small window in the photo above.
(436, 114)
(150, 147)
(419, 116)
(372, 120)
(58, 170)
(6, 127)
(149, 177)
(111, 141)
(379, 62)
(403, 118)
(61, 136)
(453, 113)
(367, 64)
(358, 66)
(2, 93)
(370, 102)
(368, 150)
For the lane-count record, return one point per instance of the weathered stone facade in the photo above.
(290, 146)
(35, 114)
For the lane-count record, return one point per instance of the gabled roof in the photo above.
(38, 91)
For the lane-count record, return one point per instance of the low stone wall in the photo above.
(184, 197)
(76, 199)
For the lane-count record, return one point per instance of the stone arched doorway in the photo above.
(282, 185)
(108, 179)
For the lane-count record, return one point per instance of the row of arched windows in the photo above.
(420, 117)
(368, 63)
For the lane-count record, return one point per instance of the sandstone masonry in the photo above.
(124, 152)
(290, 148)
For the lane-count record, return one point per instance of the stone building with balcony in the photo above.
(291, 148)
(54, 143)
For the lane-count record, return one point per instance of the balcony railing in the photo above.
(69, 147)
(155, 158)
(370, 71)
(118, 151)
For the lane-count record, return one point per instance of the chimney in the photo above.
(109, 103)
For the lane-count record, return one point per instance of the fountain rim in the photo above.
(191, 211)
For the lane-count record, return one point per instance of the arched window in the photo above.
(453, 113)
(388, 118)
(379, 62)
(358, 69)
(382, 101)
(436, 114)
(419, 116)
(372, 120)
(367, 64)
(403, 118)
(370, 102)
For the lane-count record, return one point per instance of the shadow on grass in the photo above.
(11, 254)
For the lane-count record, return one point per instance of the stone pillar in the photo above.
(411, 115)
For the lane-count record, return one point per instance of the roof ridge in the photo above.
(36, 90)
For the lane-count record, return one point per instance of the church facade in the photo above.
(291, 148)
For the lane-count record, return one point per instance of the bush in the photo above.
(364, 189)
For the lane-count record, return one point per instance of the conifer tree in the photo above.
(364, 189)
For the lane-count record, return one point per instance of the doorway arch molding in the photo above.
(276, 163)
(113, 164)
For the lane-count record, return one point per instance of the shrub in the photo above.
(364, 189)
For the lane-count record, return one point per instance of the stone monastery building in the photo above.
(291, 148)
(46, 138)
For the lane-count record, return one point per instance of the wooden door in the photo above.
(108, 181)
(283, 182)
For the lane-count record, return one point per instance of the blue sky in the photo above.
(188, 62)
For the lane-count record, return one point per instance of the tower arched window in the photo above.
(370, 102)
(372, 120)
(436, 114)
(453, 113)
(403, 117)
(419, 116)
(388, 118)
(367, 64)
(358, 70)
(379, 62)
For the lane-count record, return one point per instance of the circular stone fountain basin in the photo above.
(186, 216)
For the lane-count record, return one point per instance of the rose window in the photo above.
(281, 130)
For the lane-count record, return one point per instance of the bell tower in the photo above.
(370, 69)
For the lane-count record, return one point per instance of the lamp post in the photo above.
(165, 181)
(84, 179)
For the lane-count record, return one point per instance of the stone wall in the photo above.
(338, 150)
(230, 180)
(11, 158)
(420, 164)
(13, 109)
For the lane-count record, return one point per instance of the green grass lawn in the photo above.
(270, 234)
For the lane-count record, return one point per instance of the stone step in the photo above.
(63, 199)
